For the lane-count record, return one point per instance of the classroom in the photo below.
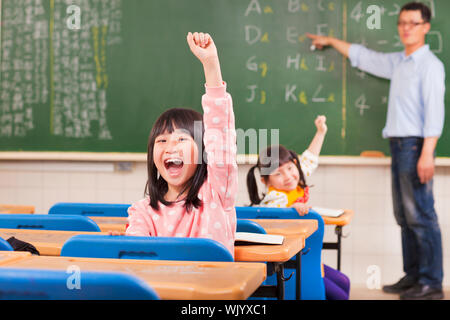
(82, 83)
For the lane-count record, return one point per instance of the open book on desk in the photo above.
(257, 238)
(328, 212)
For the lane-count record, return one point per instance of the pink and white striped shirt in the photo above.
(216, 218)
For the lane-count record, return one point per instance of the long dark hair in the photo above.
(156, 187)
(269, 160)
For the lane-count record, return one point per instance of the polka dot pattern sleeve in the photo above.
(220, 144)
(309, 163)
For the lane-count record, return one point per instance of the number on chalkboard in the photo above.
(360, 103)
(357, 12)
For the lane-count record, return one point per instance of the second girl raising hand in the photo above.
(284, 174)
(188, 195)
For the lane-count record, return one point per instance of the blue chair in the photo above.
(47, 222)
(5, 246)
(38, 284)
(244, 225)
(312, 284)
(91, 209)
(151, 248)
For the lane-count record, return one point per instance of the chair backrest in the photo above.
(312, 285)
(5, 246)
(48, 222)
(39, 284)
(90, 209)
(151, 248)
(244, 225)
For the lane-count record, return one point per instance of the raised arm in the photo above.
(218, 118)
(316, 143)
(376, 63)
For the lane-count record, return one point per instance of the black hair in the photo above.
(418, 6)
(156, 187)
(269, 160)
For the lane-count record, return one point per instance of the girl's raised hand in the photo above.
(202, 46)
(320, 123)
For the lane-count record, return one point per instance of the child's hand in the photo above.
(321, 125)
(203, 47)
(302, 208)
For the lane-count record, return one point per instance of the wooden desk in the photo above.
(341, 221)
(12, 208)
(180, 280)
(110, 223)
(270, 253)
(288, 227)
(50, 243)
(12, 256)
(277, 255)
(47, 242)
(272, 226)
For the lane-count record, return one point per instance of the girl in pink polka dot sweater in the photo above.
(192, 170)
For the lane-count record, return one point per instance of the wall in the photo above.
(373, 238)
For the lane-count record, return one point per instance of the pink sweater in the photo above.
(216, 218)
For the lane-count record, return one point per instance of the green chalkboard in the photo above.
(101, 86)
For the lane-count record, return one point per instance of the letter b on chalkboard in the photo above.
(74, 20)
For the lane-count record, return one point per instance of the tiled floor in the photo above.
(362, 293)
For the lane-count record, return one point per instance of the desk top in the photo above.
(273, 226)
(288, 227)
(12, 208)
(250, 252)
(343, 220)
(10, 256)
(50, 243)
(170, 279)
(110, 223)
(47, 242)
(271, 253)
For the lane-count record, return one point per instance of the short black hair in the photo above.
(418, 6)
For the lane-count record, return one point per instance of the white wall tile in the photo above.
(369, 209)
(8, 178)
(54, 179)
(115, 180)
(340, 179)
(54, 195)
(8, 196)
(392, 269)
(79, 180)
(29, 179)
(370, 180)
(368, 239)
(103, 195)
